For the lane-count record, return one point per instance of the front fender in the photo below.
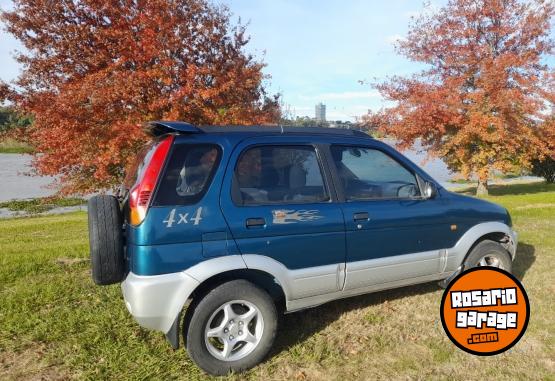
(457, 253)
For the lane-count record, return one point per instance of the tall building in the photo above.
(320, 112)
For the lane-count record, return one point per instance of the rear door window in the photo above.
(278, 175)
(188, 174)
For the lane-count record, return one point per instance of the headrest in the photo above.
(297, 176)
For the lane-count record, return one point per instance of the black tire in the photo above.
(487, 248)
(197, 320)
(106, 240)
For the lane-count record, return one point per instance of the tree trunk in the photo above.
(482, 189)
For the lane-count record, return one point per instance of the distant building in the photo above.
(320, 112)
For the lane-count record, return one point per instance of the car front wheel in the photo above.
(232, 328)
(491, 254)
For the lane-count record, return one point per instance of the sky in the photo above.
(318, 51)
(315, 50)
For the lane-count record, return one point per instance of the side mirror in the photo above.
(430, 190)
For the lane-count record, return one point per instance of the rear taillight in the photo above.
(141, 194)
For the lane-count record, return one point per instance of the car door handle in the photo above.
(361, 216)
(254, 222)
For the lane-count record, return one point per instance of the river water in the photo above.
(435, 167)
(16, 183)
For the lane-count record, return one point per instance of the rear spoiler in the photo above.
(162, 127)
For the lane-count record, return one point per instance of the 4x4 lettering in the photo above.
(197, 216)
(183, 218)
(170, 220)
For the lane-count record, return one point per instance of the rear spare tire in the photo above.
(106, 240)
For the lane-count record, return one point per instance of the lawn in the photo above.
(9, 145)
(42, 204)
(56, 324)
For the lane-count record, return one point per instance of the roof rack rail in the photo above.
(279, 129)
(161, 127)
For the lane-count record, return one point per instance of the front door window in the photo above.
(370, 174)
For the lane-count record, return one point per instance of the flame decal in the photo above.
(293, 216)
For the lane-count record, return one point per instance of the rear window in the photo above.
(188, 174)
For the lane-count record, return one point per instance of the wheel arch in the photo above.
(495, 231)
(261, 270)
(260, 278)
(264, 273)
(498, 237)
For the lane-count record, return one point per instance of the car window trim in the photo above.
(319, 159)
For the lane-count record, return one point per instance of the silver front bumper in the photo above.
(513, 243)
(154, 301)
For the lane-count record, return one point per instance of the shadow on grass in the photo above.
(512, 189)
(299, 326)
(525, 257)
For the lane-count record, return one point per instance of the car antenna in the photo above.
(281, 126)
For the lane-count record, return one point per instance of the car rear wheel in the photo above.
(232, 328)
(106, 240)
(491, 254)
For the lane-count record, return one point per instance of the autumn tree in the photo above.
(545, 166)
(481, 100)
(4, 92)
(94, 71)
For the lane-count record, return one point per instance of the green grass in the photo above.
(56, 324)
(41, 205)
(461, 181)
(9, 145)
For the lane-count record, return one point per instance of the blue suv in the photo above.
(217, 230)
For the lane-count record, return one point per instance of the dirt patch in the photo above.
(63, 261)
(29, 364)
(534, 206)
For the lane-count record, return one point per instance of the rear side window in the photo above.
(278, 175)
(188, 174)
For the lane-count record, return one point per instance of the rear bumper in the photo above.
(154, 301)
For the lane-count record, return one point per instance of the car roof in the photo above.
(163, 127)
(263, 129)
